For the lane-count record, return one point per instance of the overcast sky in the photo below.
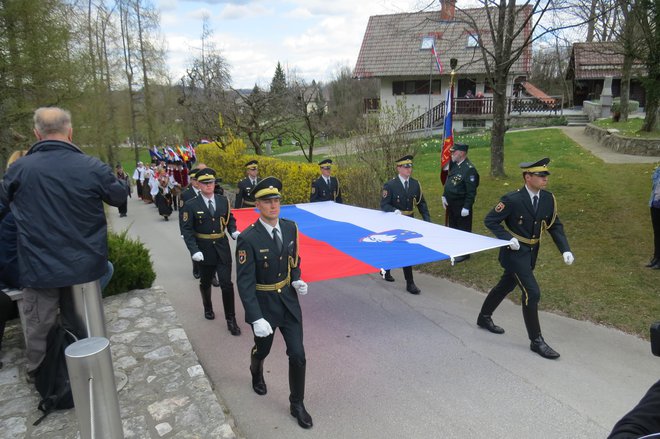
(311, 37)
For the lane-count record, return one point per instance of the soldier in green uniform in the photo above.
(527, 213)
(268, 278)
(400, 195)
(460, 191)
(206, 220)
(326, 187)
(244, 195)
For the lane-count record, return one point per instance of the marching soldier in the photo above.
(401, 195)
(268, 278)
(244, 196)
(527, 213)
(206, 220)
(326, 187)
(188, 194)
(460, 191)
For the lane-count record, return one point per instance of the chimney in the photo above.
(447, 10)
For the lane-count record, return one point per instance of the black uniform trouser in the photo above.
(138, 185)
(206, 273)
(292, 331)
(531, 294)
(454, 218)
(407, 273)
(655, 220)
(8, 311)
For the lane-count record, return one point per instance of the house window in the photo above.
(418, 87)
(472, 41)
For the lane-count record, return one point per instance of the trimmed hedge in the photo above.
(229, 163)
(633, 106)
(133, 267)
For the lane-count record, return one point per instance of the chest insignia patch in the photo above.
(385, 193)
(499, 207)
(242, 257)
(185, 217)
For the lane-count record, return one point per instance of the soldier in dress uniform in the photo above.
(527, 213)
(400, 195)
(268, 278)
(188, 194)
(460, 191)
(244, 196)
(326, 187)
(206, 221)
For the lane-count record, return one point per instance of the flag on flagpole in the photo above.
(447, 136)
(155, 155)
(436, 56)
(338, 240)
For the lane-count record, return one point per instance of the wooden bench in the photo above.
(17, 296)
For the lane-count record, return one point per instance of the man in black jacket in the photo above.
(206, 221)
(56, 193)
(527, 213)
(400, 195)
(268, 278)
(245, 193)
(326, 187)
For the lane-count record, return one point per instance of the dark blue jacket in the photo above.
(56, 193)
(8, 257)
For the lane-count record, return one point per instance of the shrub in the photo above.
(633, 106)
(132, 262)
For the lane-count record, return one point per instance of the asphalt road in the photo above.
(382, 363)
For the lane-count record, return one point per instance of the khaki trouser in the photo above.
(40, 307)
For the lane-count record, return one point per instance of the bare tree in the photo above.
(510, 31)
(308, 111)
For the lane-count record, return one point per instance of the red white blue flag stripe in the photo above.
(337, 240)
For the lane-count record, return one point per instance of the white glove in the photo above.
(464, 212)
(300, 286)
(199, 256)
(444, 203)
(514, 244)
(568, 257)
(262, 328)
(397, 212)
(235, 235)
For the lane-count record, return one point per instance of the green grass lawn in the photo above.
(606, 217)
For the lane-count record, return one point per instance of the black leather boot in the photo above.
(207, 303)
(538, 344)
(297, 388)
(257, 371)
(232, 325)
(412, 288)
(486, 322)
(653, 262)
(387, 276)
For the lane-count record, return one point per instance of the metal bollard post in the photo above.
(88, 306)
(93, 387)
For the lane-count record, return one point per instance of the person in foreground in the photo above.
(56, 193)
(205, 222)
(527, 213)
(268, 278)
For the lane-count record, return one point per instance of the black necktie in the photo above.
(405, 186)
(278, 241)
(535, 202)
(211, 209)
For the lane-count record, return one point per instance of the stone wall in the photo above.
(626, 145)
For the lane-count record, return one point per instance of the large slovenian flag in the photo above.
(337, 240)
(447, 137)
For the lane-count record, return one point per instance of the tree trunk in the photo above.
(499, 129)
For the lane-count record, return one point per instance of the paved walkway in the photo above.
(578, 135)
